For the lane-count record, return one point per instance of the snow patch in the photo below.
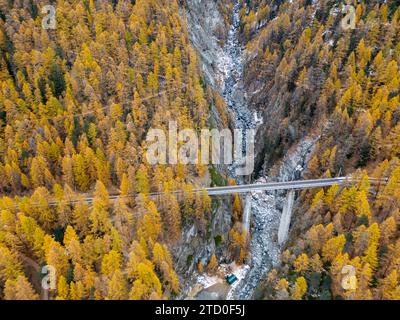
(207, 281)
(240, 273)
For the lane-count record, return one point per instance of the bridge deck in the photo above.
(270, 186)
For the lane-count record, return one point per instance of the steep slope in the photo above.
(76, 104)
(308, 75)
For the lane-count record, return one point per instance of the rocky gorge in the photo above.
(223, 63)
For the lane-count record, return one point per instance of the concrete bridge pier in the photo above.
(286, 217)
(247, 214)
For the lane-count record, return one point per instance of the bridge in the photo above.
(273, 186)
(241, 189)
(290, 186)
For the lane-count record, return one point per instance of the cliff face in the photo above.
(207, 30)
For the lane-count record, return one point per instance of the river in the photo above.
(260, 208)
(265, 208)
(261, 218)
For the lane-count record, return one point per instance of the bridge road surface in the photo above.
(287, 185)
(248, 188)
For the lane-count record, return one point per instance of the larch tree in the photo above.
(301, 264)
(111, 262)
(117, 287)
(213, 264)
(19, 289)
(99, 216)
(299, 289)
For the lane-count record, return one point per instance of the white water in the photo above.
(231, 67)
